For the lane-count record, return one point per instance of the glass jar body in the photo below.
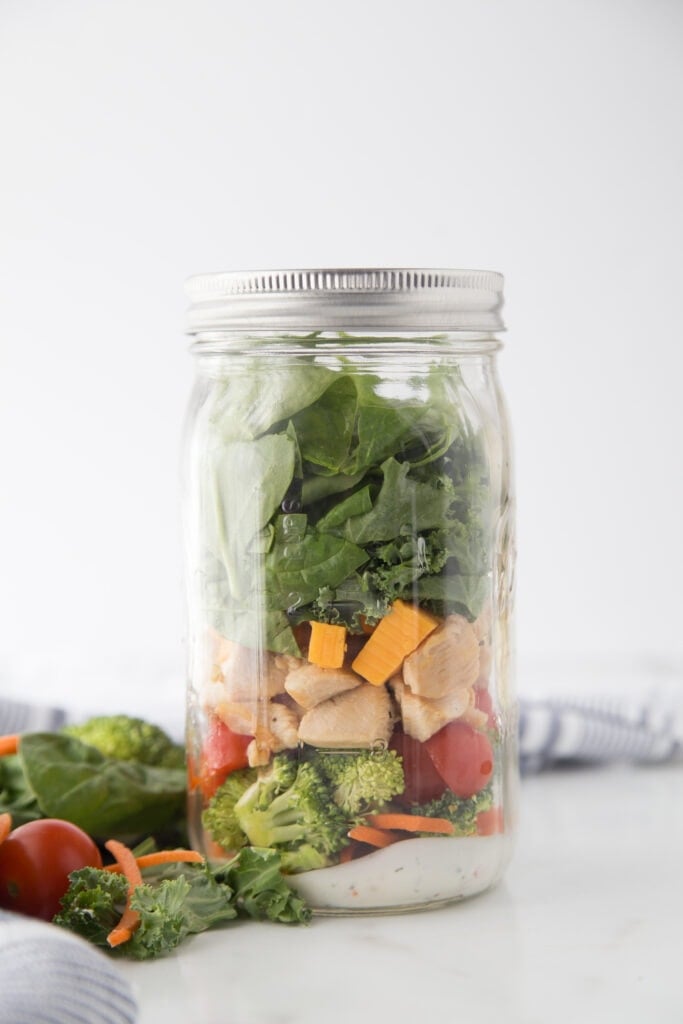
(350, 553)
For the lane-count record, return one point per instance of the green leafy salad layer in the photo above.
(329, 494)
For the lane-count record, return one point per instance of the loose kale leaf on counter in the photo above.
(179, 900)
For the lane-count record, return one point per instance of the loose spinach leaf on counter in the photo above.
(105, 797)
(16, 796)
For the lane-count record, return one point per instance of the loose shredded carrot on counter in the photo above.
(412, 823)
(130, 919)
(9, 744)
(150, 860)
(327, 645)
(372, 836)
(5, 826)
(397, 635)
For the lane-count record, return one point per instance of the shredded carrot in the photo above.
(9, 744)
(412, 823)
(372, 836)
(5, 826)
(150, 860)
(397, 635)
(327, 645)
(130, 919)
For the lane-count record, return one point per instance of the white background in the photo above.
(143, 141)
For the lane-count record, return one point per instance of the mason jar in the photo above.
(349, 525)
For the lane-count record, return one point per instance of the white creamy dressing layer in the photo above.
(411, 873)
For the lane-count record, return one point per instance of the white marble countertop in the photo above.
(586, 927)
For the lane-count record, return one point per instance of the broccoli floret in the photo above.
(303, 858)
(219, 817)
(129, 739)
(290, 805)
(365, 781)
(463, 813)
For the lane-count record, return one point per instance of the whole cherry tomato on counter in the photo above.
(223, 752)
(35, 862)
(462, 756)
(423, 782)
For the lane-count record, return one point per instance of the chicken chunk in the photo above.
(445, 662)
(248, 674)
(423, 717)
(360, 717)
(280, 733)
(310, 685)
(239, 718)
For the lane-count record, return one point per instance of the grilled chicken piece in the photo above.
(280, 733)
(446, 661)
(239, 718)
(248, 675)
(360, 717)
(310, 685)
(422, 717)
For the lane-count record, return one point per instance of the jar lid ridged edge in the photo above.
(370, 298)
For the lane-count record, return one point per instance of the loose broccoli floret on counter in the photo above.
(364, 781)
(289, 806)
(129, 739)
(219, 817)
(463, 813)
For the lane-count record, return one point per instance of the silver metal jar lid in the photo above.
(396, 299)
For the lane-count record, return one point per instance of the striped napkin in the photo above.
(49, 976)
(583, 714)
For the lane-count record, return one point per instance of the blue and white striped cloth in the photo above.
(49, 976)
(594, 716)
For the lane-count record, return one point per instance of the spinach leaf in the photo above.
(248, 482)
(16, 796)
(315, 488)
(253, 399)
(105, 797)
(356, 504)
(246, 622)
(325, 429)
(295, 572)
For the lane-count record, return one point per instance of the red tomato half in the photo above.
(462, 756)
(423, 782)
(35, 862)
(224, 751)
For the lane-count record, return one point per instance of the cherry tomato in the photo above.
(35, 862)
(423, 782)
(490, 822)
(224, 751)
(462, 756)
